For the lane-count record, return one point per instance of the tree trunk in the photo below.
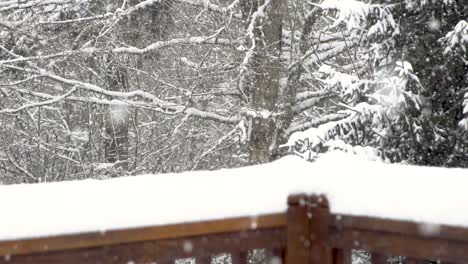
(117, 121)
(267, 72)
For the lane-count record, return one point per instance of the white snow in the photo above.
(457, 38)
(119, 112)
(354, 186)
(434, 24)
(354, 14)
(80, 135)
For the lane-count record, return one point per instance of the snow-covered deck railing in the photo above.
(307, 233)
(156, 244)
(331, 237)
(159, 218)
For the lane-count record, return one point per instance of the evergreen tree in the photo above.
(404, 94)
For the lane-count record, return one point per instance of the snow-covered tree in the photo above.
(398, 83)
(93, 87)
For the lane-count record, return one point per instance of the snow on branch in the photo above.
(316, 122)
(457, 39)
(309, 103)
(77, 20)
(49, 97)
(23, 170)
(7, 24)
(218, 143)
(143, 4)
(313, 57)
(212, 7)
(166, 107)
(309, 143)
(169, 43)
(311, 94)
(456, 44)
(418, 4)
(386, 96)
(464, 122)
(355, 15)
(127, 50)
(54, 100)
(17, 4)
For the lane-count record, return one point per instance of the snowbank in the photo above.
(354, 186)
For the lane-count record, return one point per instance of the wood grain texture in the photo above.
(402, 245)
(400, 227)
(298, 230)
(160, 250)
(342, 256)
(240, 257)
(307, 233)
(410, 260)
(114, 237)
(319, 225)
(378, 258)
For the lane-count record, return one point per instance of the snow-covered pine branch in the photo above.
(355, 15)
(455, 44)
(311, 94)
(305, 125)
(456, 41)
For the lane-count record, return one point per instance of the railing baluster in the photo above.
(165, 262)
(279, 256)
(377, 258)
(239, 257)
(203, 260)
(341, 256)
(412, 261)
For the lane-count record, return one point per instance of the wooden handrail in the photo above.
(307, 233)
(399, 227)
(160, 250)
(114, 237)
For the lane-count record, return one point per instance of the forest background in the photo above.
(98, 89)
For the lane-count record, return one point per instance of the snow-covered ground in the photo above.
(354, 186)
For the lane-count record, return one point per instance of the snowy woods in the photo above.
(97, 89)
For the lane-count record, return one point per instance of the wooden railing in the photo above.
(306, 233)
(161, 244)
(332, 237)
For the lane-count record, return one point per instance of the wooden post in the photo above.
(308, 230)
(319, 219)
(298, 242)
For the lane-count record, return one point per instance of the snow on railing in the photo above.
(315, 235)
(354, 186)
(307, 233)
(369, 205)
